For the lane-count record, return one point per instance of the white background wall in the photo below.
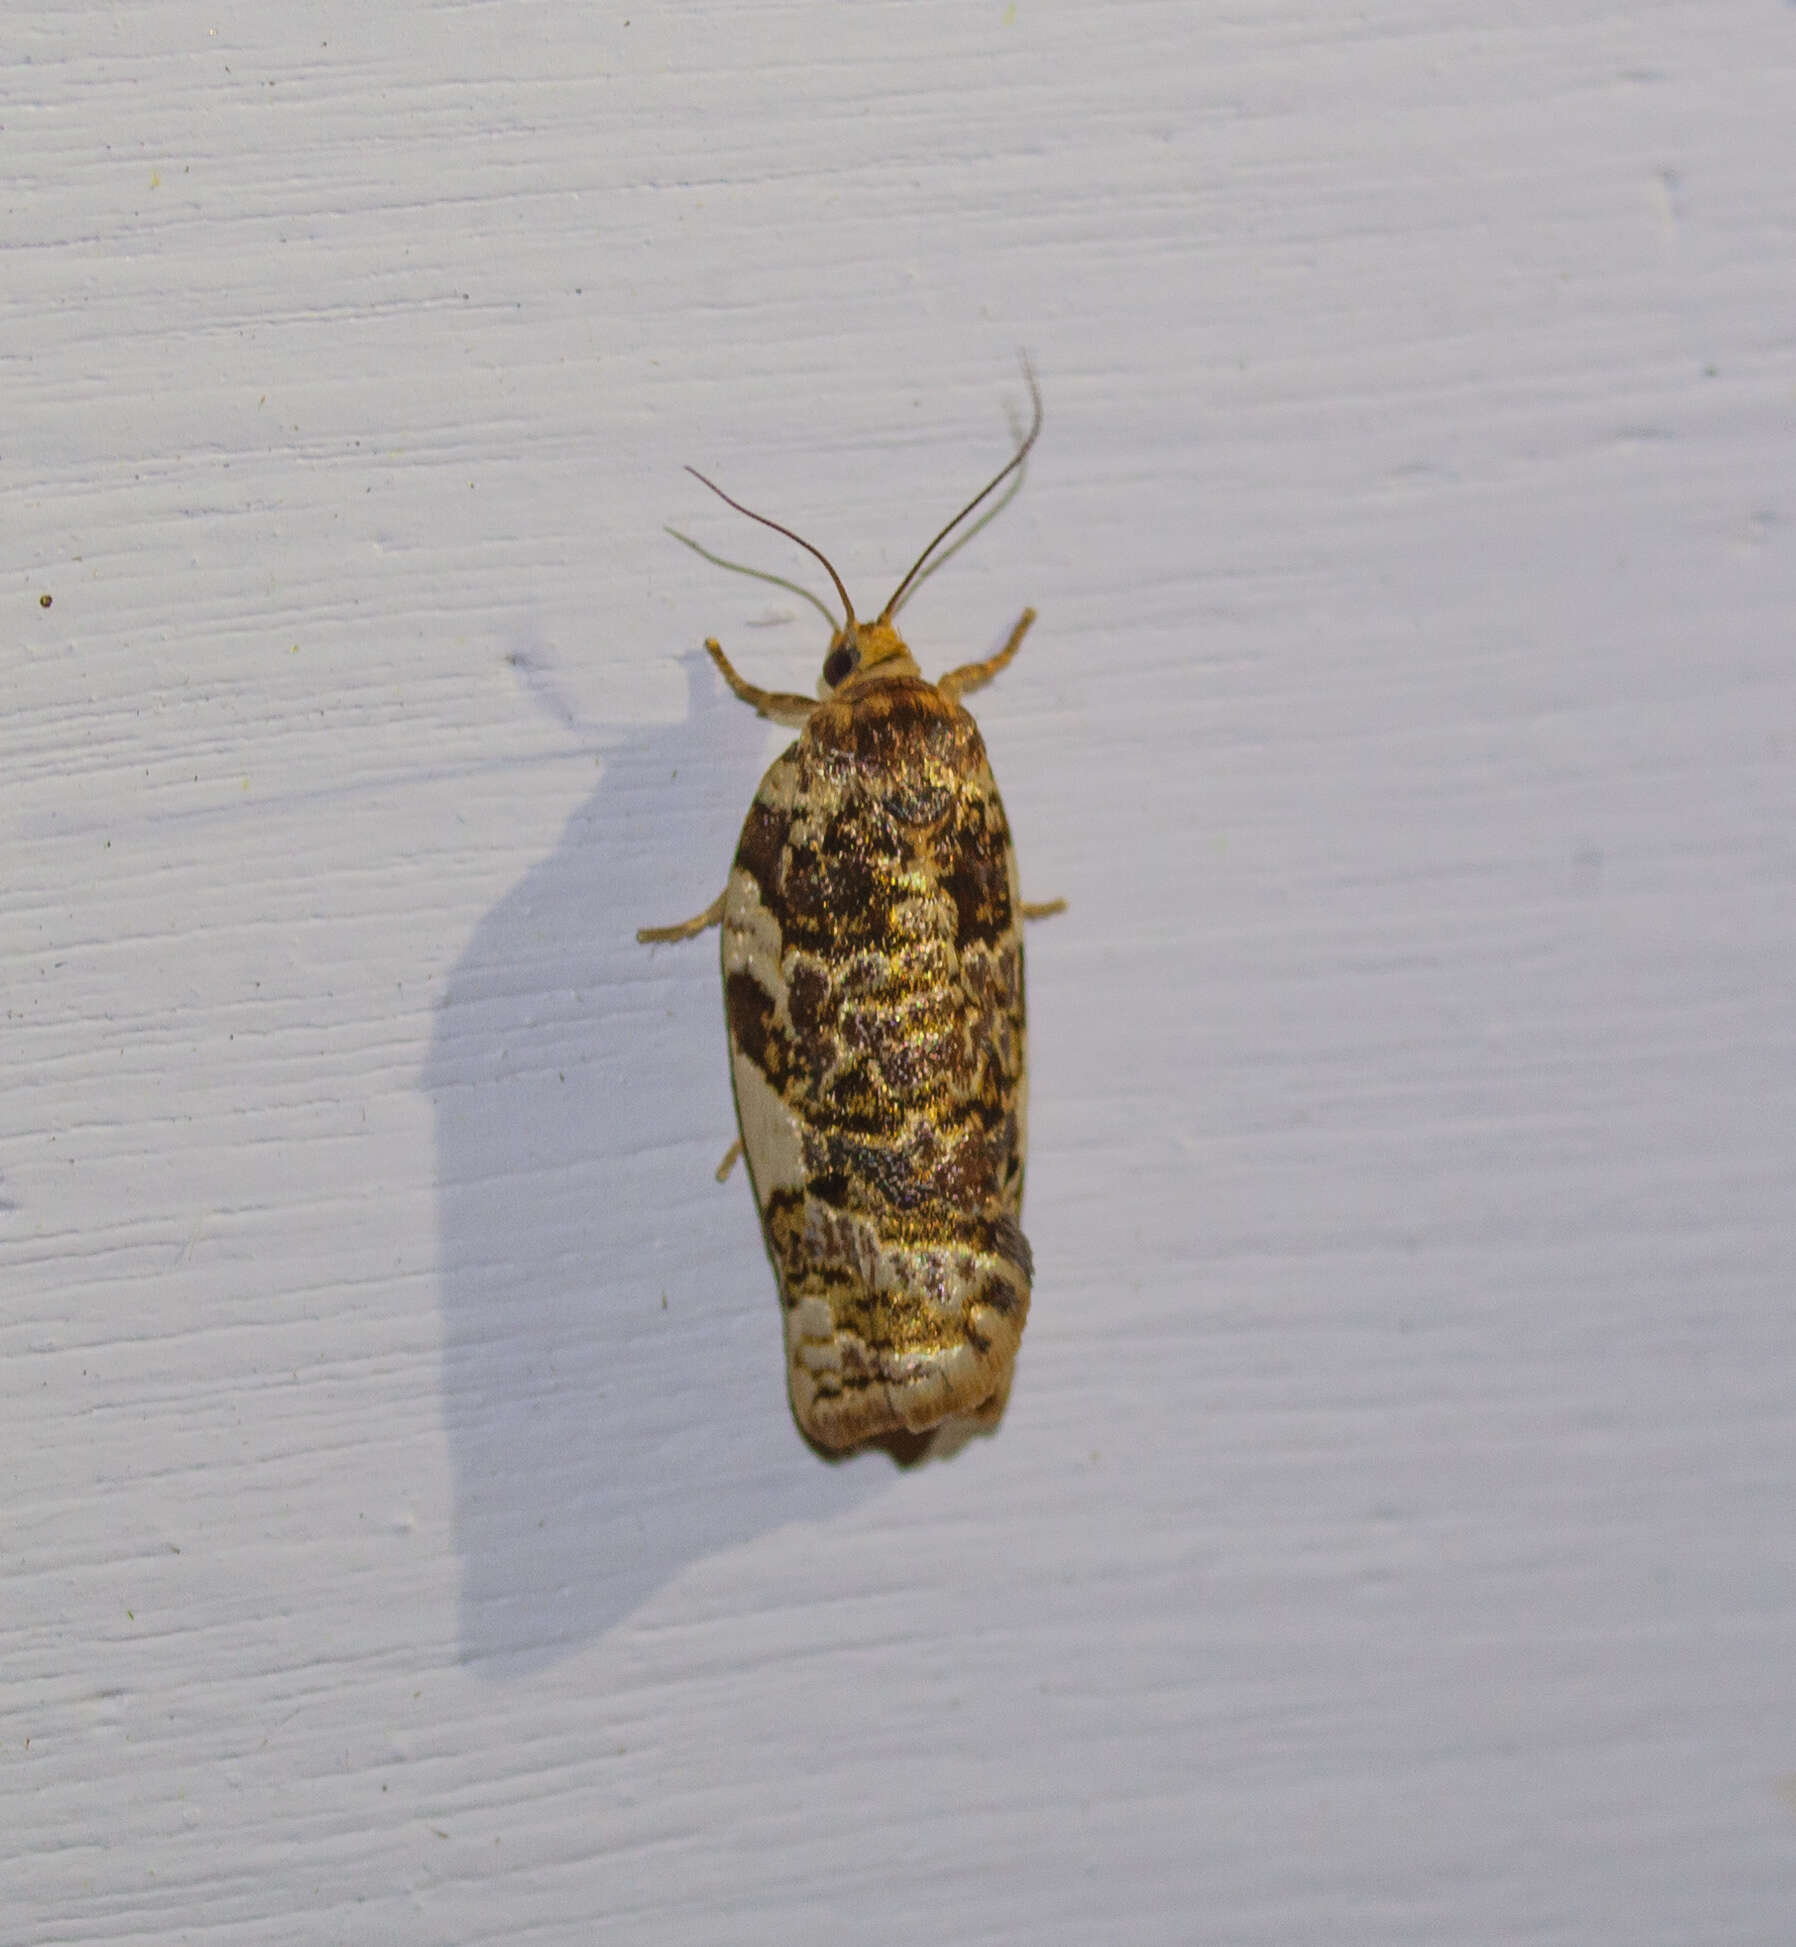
(1391, 1537)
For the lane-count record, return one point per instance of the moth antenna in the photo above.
(984, 493)
(848, 626)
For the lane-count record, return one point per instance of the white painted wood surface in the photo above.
(1391, 1538)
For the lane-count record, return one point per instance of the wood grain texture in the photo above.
(1389, 1536)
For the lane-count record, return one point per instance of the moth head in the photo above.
(859, 650)
(862, 650)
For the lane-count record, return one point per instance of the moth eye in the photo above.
(841, 663)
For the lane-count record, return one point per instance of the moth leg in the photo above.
(973, 676)
(730, 1159)
(782, 706)
(687, 928)
(1042, 908)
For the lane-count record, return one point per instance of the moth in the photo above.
(872, 952)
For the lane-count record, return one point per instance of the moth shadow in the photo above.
(613, 1383)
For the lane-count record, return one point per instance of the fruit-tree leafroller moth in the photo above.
(873, 995)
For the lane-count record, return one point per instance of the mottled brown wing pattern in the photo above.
(873, 976)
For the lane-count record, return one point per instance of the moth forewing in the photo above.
(873, 991)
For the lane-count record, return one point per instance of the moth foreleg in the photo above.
(782, 706)
(731, 1157)
(973, 676)
(686, 929)
(1042, 908)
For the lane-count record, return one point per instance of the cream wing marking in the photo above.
(771, 1135)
